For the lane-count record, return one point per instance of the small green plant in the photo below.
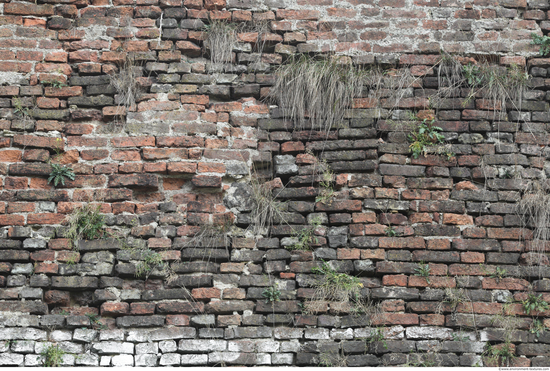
(85, 223)
(499, 273)
(151, 260)
(424, 137)
(18, 108)
(543, 41)
(537, 327)
(64, 313)
(326, 189)
(423, 270)
(95, 322)
(500, 355)
(390, 231)
(59, 173)
(56, 84)
(332, 286)
(377, 335)
(534, 303)
(472, 74)
(306, 236)
(459, 337)
(52, 356)
(72, 260)
(271, 294)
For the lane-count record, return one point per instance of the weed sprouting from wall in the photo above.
(315, 93)
(499, 85)
(534, 212)
(125, 83)
(331, 286)
(266, 209)
(85, 223)
(221, 39)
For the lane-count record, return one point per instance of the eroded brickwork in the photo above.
(445, 262)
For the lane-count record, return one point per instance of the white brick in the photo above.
(113, 347)
(122, 360)
(170, 359)
(146, 360)
(428, 333)
(202, 345)
(282, 358)
(194, 359)
(147, 348)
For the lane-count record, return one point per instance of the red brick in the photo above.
(349, 254)
(45, 218)
(457, 219)
(378, 254)
(396, 319)
(133, 142)
(177, 320)
(142, 308)
(206, 293)
(182, 167)
(504, 284)
(472, 257)
(114, 309)
(46, 268)
(395, 280)
(12, 220)
(10, 156)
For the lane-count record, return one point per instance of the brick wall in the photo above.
(443, 258)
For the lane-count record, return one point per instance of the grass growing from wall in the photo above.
(315, 93)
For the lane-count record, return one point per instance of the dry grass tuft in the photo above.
(125, 83)
(316, 92)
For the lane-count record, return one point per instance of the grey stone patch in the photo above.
(60, 335)
(146, 360)
(202, 345)
(134, 294)
(11, 359)
(138, 336)
(168, 346)
(116, 334)
(203, 320)
(428, 333)
(84, 335)
(113, 347)
(70, 347)
(282, 358)
(239, 196)
(20, 268)
(23, 346)
(88, 359)
(236, 168)
(33, 360)
(285, 164)
(147, 348)
(34, 243)
(194, 359)
(501, 296)
(46, 206)
(170, 359)
(31, 293)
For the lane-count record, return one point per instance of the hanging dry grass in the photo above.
(534, 212)
(125, 83)
(316, 93)
(221, 39)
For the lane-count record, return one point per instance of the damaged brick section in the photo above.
(222, 230)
